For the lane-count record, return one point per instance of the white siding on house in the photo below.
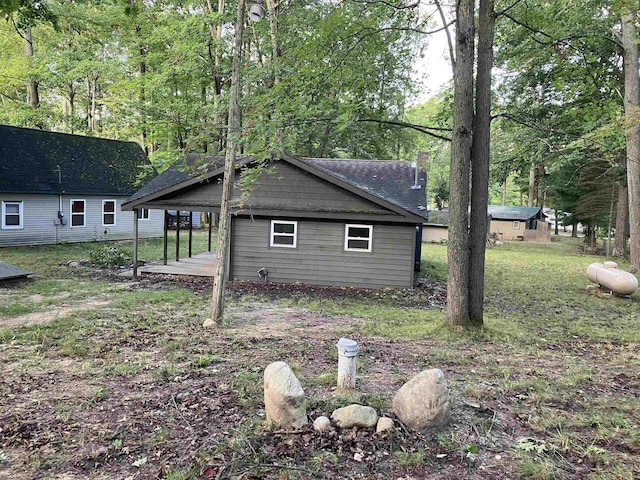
(42, 226)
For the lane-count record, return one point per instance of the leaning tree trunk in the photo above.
(632, 130)
(480, 163)
(622, 216)
(222, 252)
(458, 247)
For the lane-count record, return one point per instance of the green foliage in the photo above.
(111, 255)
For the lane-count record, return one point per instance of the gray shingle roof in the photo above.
(191, 166)
(88, 165)
(387, 179)
(500, 212)
(390, 181)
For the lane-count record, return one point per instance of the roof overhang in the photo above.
(155, 200)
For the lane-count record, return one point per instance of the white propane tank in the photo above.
(607, 275)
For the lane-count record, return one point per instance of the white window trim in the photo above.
(516, 225)
(294, 234)
(347, 237)
(20, 213)
(142, 218)
(115, 207)
(71, 213)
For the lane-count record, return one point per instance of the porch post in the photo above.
(190, 231)
(166, 236)
(210, 227)
(135, 243)
(177, 235)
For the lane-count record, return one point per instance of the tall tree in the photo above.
(224, 228)
(461, 142)
(480, 154)
(632, 128)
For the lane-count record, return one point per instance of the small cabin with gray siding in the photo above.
(56, 187)
(308, 220)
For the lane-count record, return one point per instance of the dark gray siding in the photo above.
(288, 188)
(41, 225)
(320, 258)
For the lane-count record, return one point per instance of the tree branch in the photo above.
(419, 128)
(449, 41)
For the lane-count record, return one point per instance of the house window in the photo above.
(358, 238)
(516, 225)
(78, 213)
(284, 234)
(11, 215)
(143, 214)
(108, 212)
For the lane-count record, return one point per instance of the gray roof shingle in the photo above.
(390, 181)
(88, 165)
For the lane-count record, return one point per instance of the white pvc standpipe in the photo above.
(347, 356)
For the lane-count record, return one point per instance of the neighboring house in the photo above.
(309, 220)
(507, 223)
(519, 223)
(172, 219)
(56, 187)
(436, 229)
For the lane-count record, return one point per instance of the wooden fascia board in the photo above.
(351, 188)
(174, 206)
(337, 216)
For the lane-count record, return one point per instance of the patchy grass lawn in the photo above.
(108, 378)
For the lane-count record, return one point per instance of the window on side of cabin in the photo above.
(11, 215)
(78, 213)
(516, 225)
(358, 238)
(284, 233)
(108, 213)
(143, 214)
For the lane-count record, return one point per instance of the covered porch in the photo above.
(201, 265)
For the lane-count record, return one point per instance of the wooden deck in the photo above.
(201, 265)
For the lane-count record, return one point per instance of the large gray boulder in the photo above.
(355, 416)
(423, 401)
(284, 400)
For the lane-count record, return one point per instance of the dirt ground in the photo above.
(156, 396)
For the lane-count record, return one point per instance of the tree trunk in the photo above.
(458, 247)
(217, 303)
(622, 216)
(540, 184)
(532, 185)
(504, 192)
(632, 131)
(33, 94)
(480, 163)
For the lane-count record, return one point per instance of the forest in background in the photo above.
(332, 79)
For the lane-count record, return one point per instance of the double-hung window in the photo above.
(78, 213)
(108, 213)
(12, 215)
(284, 233)
(358, 238)
(516, 225)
